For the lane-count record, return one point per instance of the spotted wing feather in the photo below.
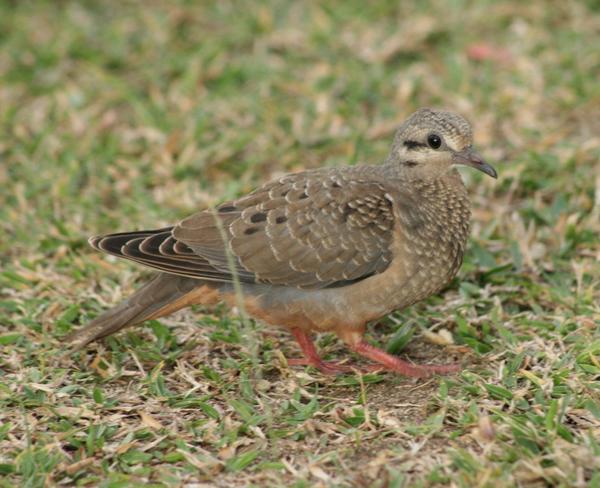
(308, 230)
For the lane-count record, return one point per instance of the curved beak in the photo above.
(469, 157)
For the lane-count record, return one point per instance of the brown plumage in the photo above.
(329, 249)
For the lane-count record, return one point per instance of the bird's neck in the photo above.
(450, 179)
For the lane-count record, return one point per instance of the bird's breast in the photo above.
(428, 249)
(432, 251)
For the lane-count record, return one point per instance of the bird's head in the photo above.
(431, 141)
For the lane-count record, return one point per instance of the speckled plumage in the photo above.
(323, 250)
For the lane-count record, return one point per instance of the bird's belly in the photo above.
(404, 283)
(311, 310)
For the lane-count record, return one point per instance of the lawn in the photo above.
(123, 115)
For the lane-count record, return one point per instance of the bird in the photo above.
(329, 249)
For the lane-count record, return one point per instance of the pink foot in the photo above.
(325, 367)
(312, 358)
(387, 362)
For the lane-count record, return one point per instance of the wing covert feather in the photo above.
(308, 230)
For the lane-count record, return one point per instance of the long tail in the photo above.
(163, 295)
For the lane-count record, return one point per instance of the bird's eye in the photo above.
(434, 141)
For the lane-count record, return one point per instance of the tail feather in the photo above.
(161, 294)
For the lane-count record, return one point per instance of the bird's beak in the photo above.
(471, 158)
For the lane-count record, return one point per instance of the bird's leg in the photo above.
(388, 362)
(312, 358)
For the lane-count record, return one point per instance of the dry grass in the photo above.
(129, 115)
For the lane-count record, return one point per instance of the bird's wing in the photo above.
(317, 229)
(308, 230)
(159, 250)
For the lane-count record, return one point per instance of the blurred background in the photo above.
(123, 115)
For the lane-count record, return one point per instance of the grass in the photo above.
(129, 115)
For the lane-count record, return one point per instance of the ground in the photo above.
(129, 115)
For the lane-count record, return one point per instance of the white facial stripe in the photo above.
(451, 144)
(455, 143)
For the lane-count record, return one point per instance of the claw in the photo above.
(385, 361)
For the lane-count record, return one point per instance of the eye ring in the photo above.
(434, 141)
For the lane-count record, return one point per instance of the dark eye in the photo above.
(434, 141)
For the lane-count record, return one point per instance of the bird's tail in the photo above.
(163, 295)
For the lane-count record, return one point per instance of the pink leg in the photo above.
(388, 362)
(312, 358)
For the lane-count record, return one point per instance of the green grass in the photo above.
(121, 115)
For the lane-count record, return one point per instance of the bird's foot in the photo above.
(387, 362)
(383, 360)
(325, 367)
(312, 358)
